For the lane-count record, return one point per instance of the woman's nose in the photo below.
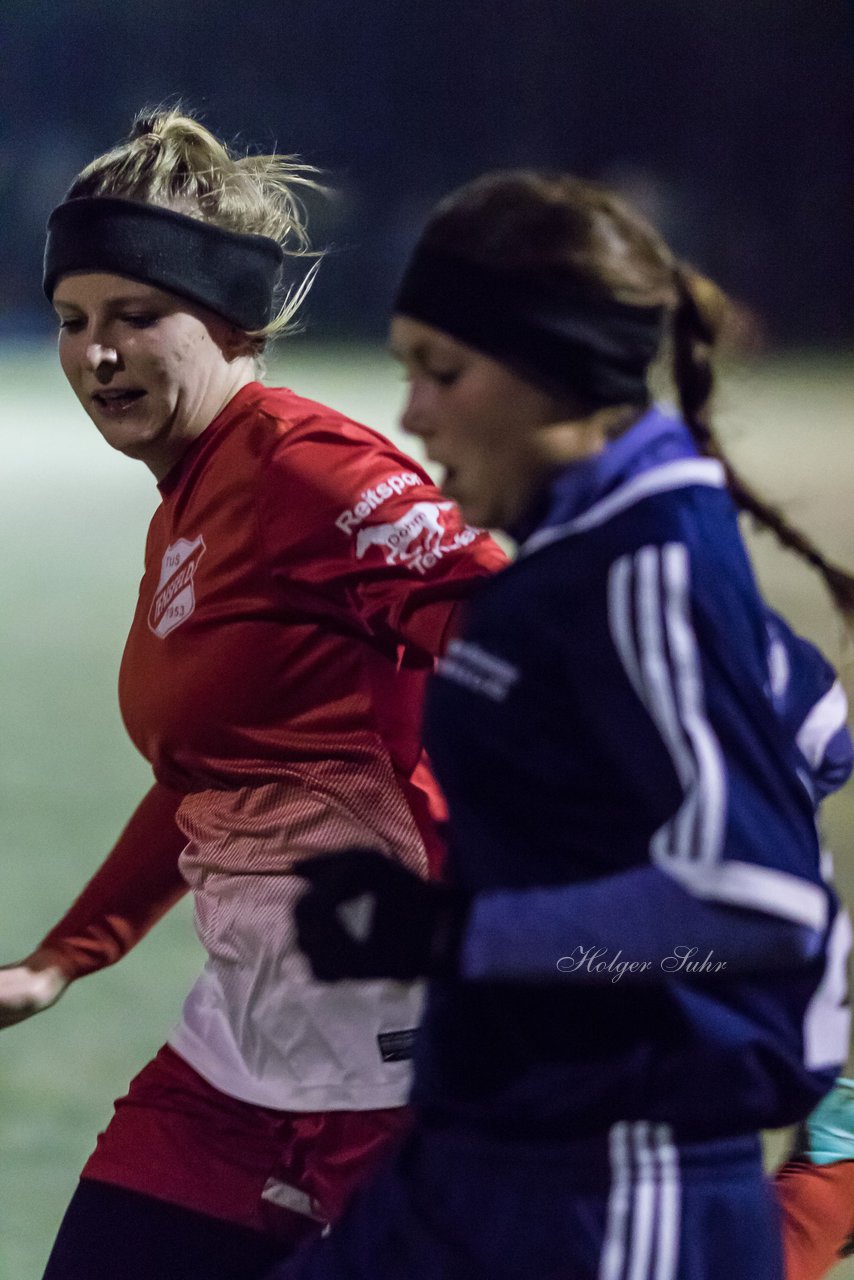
(414, 417)
(99, 355)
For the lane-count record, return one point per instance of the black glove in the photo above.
(364, 916)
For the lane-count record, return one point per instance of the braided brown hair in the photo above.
(698, 318)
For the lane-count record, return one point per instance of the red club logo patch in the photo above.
(175, 598)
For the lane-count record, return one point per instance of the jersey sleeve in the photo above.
(356, 531)
(133, 888)
(689, 645)
(675, 695)
(637, 926)
(812, 706)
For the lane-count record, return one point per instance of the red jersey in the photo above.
(300, 577)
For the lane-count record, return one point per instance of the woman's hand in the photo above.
(365, 916)
(25, 991)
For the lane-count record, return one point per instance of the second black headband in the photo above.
(550, 333)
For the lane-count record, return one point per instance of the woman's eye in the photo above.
(72, 323)
(140, 319)
(444, 377)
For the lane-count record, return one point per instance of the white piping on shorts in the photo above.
(644, 1206)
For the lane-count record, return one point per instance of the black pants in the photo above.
(109, 1233)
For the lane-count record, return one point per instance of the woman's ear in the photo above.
(239, 343)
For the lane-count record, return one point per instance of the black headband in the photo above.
(548, 331)
(233, 274)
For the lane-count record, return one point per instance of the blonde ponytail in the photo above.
(171, 159)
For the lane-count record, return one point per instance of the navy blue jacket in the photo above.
(617, 733)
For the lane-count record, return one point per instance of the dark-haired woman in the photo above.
(300, 577)
(638, 963)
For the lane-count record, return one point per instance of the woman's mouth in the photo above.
(116, 401)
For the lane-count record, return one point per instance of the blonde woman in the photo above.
(301, 575)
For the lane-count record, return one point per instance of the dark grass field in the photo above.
(73, 518)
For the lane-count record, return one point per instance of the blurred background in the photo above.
(729, 124)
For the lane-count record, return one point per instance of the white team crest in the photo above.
(175, 599)
(418, 539)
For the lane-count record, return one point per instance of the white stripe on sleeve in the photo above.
(650, 622)
(711, 786)
(826, 718)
